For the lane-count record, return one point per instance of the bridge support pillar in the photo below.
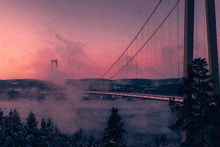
(188, 43)
(212, 43)
(188, 35)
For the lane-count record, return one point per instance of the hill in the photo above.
(152, 86)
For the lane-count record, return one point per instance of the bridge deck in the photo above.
(139, 95)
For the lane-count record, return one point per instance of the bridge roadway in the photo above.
(139, 95)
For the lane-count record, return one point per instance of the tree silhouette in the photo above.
(43, 124)
(91, 140)
(13, 130)
(112, 136)
(162, 141)
(193, 113)
(31, 121)
(33, 135)
(214, 120)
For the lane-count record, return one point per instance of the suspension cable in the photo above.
(147, 40)
(132, 40)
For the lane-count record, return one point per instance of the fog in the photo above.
(70, 111)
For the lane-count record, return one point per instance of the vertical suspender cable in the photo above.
(178, 36)
(127, 67)
(161, 43)
(136, 64)
(163, 47)
(147, 59)
(217, 27)
(119, 64)
(154, 50)
(196, 27)
(132, 40)
(170, 39)
(142, 55)
(151, 59)
(132, 70)
(204, 35)
(156, 54)
(146, 41)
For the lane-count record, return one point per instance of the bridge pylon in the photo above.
(212, 42)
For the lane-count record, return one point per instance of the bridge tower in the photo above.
(211, 37)
(53, 70)
(212, 42)
(54, 61)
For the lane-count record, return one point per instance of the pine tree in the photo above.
(1, 117)
(193, 113)
(112, 136)
(50, 132)
(43, 124)
(13, 130)
(50, 127)
(1, 127)
(163, 140)
(91, 140)
(78, 139)
(157, 142)
(33, 135)
(43, 133)
(31, 121)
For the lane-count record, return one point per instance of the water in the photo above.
(143, 119)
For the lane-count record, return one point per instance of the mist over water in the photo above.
(70, 111)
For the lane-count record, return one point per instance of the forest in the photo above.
(13, 133)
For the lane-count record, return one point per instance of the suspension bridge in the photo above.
(163, 47)
(139, 95)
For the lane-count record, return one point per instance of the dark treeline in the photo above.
(13, 133)
(16, 134)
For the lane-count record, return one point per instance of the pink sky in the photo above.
(87, 36)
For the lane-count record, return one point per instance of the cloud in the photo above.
(73, 55)
(73, 61)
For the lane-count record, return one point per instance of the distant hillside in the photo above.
(29, 89)
(25, 84)
(153, 86)
(14, 88)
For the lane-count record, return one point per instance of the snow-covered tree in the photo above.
(32, 132)
(112, 136)
(13, 133)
